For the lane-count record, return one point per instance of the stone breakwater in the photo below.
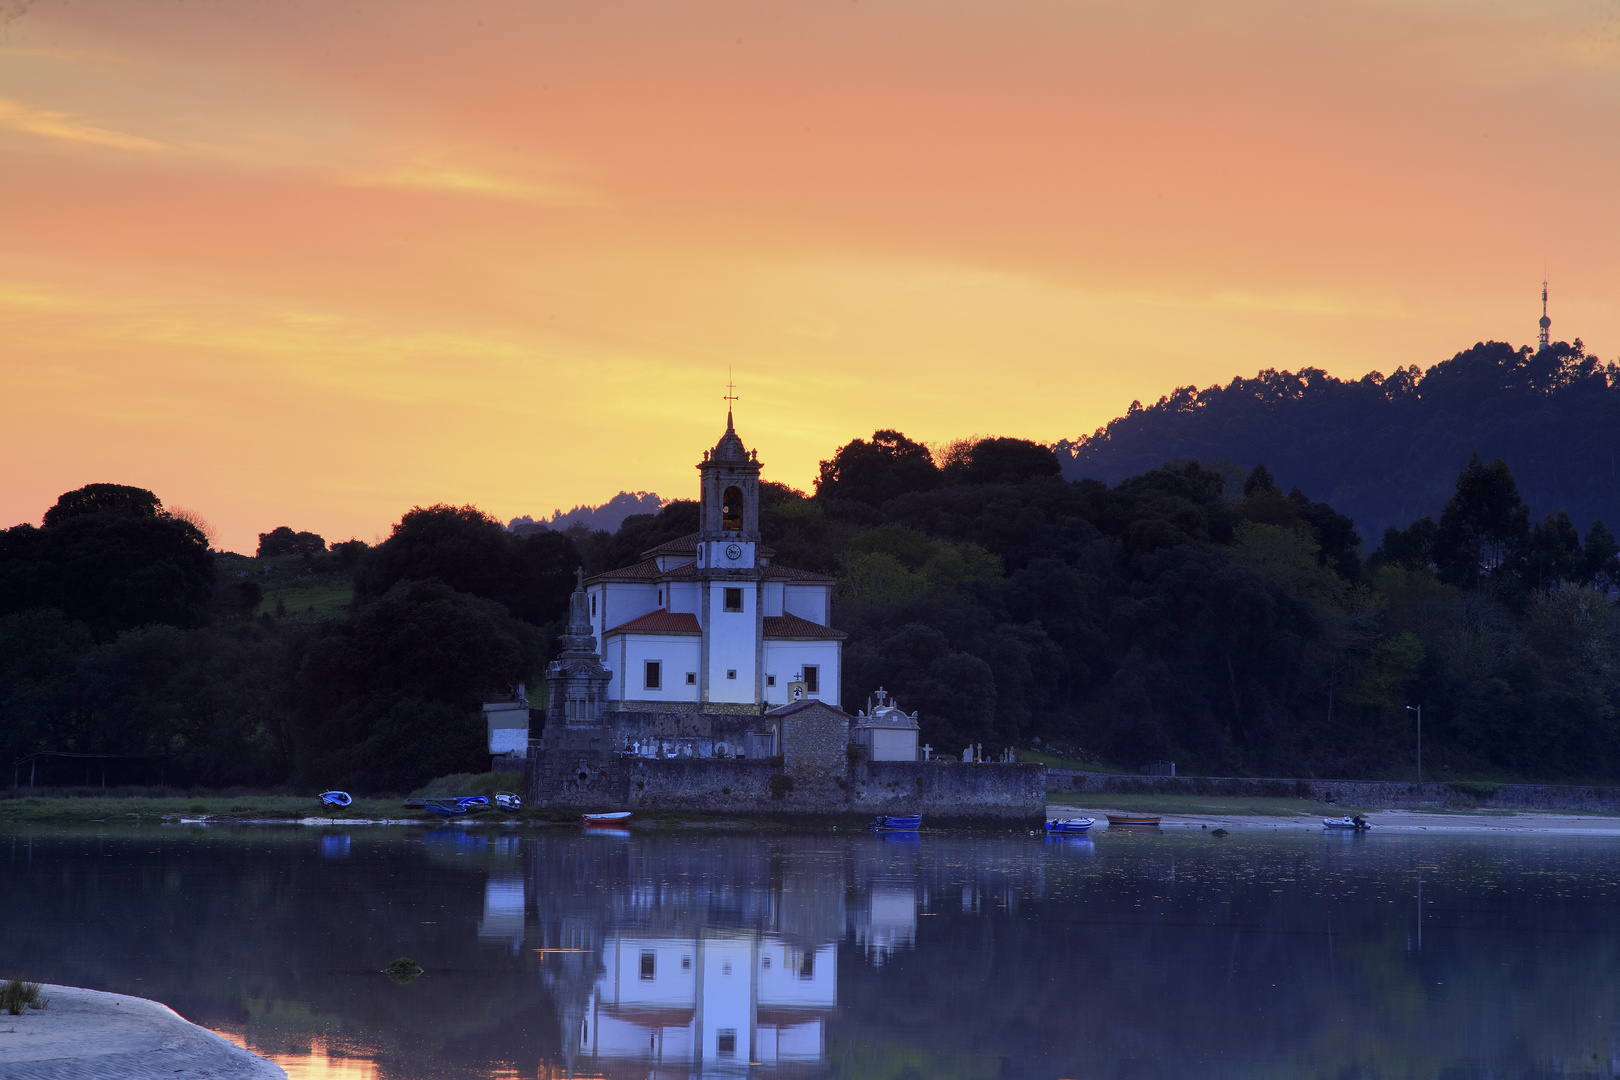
(1369, 793)
(91, 1035)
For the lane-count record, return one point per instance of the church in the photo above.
(710, 622)
(706, 678)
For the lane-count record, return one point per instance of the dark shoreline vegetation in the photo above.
(1213, 616)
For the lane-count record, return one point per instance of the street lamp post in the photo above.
(1419, 710)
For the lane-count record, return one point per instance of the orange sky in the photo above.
(311, 264)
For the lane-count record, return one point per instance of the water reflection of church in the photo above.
(714, 957)
(721, 999)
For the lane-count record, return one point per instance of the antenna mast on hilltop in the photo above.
(1546, 323)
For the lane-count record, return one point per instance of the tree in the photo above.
(1484, 526)
(284, 541)
(1553, 552)
(111, 569)
(998, 461)
(471, 552)
(104, 499)
(875, 472)
(392, 699)
(1600, 557)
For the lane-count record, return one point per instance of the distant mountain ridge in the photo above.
(607, 517)
(1387, 450)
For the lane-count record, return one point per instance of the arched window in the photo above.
(731, 510)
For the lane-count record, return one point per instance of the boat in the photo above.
(1350, 824)
(605, 819)
(1133, 819)
(445, 807)
(335, 798)
(897, 822)
(1070, 825)
(508, 800)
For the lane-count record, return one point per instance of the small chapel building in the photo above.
(709, 622)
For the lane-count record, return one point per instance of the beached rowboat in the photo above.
(1346, 823)
(1133, 819)
(335, 798)
(1070, 825)
(604, 819)
(898, 822)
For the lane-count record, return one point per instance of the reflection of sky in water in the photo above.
(314, 1065)
(680, 956)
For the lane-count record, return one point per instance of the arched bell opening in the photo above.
(731, 510)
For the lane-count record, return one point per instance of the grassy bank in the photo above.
(132, 809)
(1214, 806)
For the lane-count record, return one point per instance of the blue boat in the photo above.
(457, 806)
(335, 798)
(1070, 825)
(898, 822)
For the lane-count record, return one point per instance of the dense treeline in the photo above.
(1184, 613)
(1385, 450)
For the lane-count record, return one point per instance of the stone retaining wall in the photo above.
(943, 794)
(1362, 793)
(985, 792)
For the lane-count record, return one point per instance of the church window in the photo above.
(770, 680)
(593, 607)
(812, 678)
(654, 675)
(725, 1042)
(731, 510)
(734, 601)
(691, 678)
(649, 965)
(731, 673)
(660, 597)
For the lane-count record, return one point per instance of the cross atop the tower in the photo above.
(731, 391)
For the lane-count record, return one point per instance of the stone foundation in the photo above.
(943, 794)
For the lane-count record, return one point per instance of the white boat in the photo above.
(1346, 823)
(604, 819)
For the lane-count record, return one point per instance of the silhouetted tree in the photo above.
(875, 472)
(282, 540)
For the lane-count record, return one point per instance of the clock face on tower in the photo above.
(733, 552)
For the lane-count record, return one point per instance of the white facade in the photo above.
(708, 618)
(723, 1000)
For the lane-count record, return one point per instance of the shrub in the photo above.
(14, 994)
(781, 784)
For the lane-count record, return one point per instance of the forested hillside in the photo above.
(1385, 450)
(1228, 622)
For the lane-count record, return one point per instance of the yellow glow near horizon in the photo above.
(310, 266)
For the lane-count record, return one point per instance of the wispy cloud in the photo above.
(430, 175)
(65, 126)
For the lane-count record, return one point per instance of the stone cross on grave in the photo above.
(926, 749)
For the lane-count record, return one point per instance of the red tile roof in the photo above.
(683, 545)
(642, 571)
(660, 622)
(791, 626)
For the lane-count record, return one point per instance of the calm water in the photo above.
(1127, 955)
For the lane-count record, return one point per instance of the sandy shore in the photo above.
(91, 1035)
(1529, 821)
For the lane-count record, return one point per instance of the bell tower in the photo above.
(728, 529)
